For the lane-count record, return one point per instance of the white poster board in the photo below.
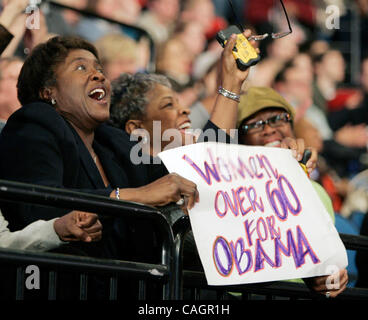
(259, 217)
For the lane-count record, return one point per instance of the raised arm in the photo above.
(231, 78)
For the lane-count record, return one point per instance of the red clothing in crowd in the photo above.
(257, 11)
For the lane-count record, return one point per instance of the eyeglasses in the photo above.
(273, 122)
(277, 35)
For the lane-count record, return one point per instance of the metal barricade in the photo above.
(21, 192)
(173, 226)
(195, 281)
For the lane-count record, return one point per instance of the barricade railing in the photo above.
(177, 283)
(21, 192)
(195, 281)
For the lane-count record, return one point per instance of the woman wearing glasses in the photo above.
(266, 119)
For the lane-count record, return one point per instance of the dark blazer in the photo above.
(38, 146)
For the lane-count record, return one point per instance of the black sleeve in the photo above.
(339, 157)
(340, 118)
(333, 149)
(31, 153)
(212, 133)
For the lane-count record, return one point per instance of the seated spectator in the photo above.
(278, 53)
(47, 235)
(264, 104)
(147, 102)
(318, 48)
(72, 17)
(126, 12)
(159, 19)
(175, 60)
(140, 99)
(329, 70)
(146, 107)
(340, 145)
(177, 57)
(357, 198)
(9, 71)
(65, 98)
(203, 11)
(355, 113)
(118, 54)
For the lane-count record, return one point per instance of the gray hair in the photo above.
(129, 96)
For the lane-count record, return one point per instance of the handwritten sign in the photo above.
(259, 217)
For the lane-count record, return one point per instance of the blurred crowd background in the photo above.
(321, 68)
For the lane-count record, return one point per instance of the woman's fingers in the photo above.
(187, 190)
(295, 146)
(312, 162)
(168, 189)
(332, 285)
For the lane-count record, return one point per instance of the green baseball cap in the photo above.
(259, 98)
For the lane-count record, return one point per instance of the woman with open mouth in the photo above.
(53, 141)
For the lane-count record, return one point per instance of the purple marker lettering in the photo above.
(252, 197)
(210, 172)
(221, 269)
(262, 159)
(261, 236)
(239, 257)
(260, 257)
(220, 213)
(298, 207)
(241, 200)
(271, 227)
(248, 232)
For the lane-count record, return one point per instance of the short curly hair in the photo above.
(129, 96)
(38, 71)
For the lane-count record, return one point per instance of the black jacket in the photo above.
(38, 146)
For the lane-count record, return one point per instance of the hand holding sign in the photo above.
(170, 188)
